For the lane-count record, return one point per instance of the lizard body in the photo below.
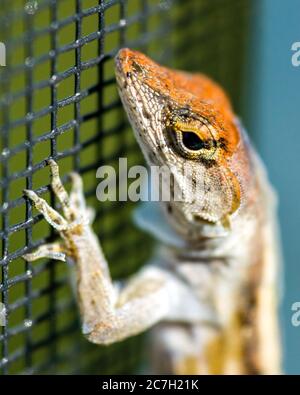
(211, 286)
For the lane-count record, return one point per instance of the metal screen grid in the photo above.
(50, 110)
(58, 99)
(219, 33)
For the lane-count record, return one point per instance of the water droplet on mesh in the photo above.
(4, 361)
(123, 22)
(27, 323)
(29, 116)
(54, 25)
(5, 152)
(29, 62)
(53, 79)
(78, 94)
(5, 206)
(29, 273)
(52, 53)
(31, 7)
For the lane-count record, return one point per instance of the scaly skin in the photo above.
(211, 287)
(161, 103)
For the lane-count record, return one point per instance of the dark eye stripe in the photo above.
(191, 141)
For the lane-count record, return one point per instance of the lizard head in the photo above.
(184, 121)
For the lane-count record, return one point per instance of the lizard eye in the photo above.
(192, 141)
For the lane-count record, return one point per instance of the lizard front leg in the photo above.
(109, 312)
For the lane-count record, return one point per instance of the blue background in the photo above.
(273, 119)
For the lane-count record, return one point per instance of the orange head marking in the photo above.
(183, 118)
(196, 92)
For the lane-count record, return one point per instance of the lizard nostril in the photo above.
(136, 67)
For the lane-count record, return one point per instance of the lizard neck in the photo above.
(235, 246)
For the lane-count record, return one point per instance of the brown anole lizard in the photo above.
(211, 286)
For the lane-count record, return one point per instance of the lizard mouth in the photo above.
(204, 221)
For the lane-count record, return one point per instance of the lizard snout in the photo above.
(129, 62)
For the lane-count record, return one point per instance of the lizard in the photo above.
(209, 294)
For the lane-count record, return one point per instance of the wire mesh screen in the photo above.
(213, 37)
(58, 100)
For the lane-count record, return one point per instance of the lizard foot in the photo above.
(74, 209)
(52, 251)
